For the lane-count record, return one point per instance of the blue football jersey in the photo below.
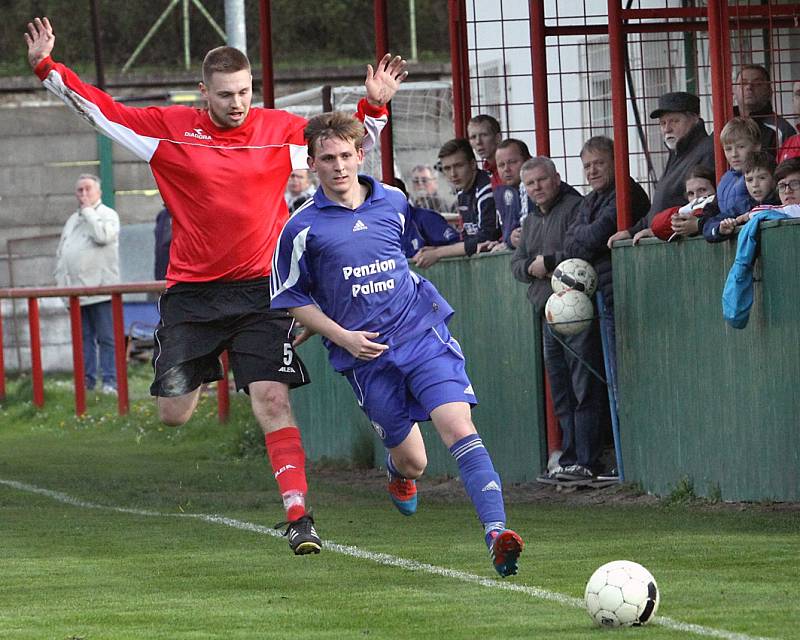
(349, 262)
(426, 228)
(508, 202)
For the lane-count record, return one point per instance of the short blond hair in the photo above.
(739, 128)
(334, 124)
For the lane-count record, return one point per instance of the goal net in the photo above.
(422, 120)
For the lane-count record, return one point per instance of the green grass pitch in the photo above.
(106, 532)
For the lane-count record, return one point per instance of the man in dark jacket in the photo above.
(689, 144)
(596, 219)
(753, 92)
(577, 394)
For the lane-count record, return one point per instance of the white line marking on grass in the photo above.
(379, 558)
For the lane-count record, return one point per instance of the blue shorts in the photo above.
(406, 383)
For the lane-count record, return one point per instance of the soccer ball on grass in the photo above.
(621, 594)
(569, 312)
(574, 273)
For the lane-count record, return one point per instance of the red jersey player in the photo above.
(221, 172)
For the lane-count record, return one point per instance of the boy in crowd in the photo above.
(739, 137)
(785, 184)
(758, 173)
(787, 180)
(340, 271)
(475, 204)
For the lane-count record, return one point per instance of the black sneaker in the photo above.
(302, 536)
(576, 473)
(550, 477)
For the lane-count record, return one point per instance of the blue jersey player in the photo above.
(340, 271)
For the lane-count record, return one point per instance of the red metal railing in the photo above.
(33, 294)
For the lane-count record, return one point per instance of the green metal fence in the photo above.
(701, 402)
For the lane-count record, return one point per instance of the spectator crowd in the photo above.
(508, 200)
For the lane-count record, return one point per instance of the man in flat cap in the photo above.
(689, 145)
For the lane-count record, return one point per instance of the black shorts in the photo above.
(201, 320)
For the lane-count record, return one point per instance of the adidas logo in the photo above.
(359, 226)
(492, 486)
(287, 370)
(469, 390)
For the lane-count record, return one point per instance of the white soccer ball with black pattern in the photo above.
(569, 312)
(621, 594)
(574, 273)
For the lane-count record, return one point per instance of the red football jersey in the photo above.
(223, 187)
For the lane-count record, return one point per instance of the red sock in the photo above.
(288, 460)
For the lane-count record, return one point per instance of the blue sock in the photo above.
(480, 480)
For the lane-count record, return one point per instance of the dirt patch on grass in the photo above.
(446, 490)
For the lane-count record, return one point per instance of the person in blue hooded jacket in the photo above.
(739, 137)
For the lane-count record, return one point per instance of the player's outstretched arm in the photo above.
(139, 130)
(382, 83)
(358, 343)
(40, 40)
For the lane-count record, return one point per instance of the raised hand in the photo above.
(40, 40)
(383, 83)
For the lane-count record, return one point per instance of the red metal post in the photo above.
(77, 355)
(718, 34)
(381, 48)
(459, 66)
(466, 100)
(37, 375)
(223, 392)
(120, 353)
(267, 72)
(554, 436)
(617, 41)
(541, 114)
(2, 361)
(727, 64)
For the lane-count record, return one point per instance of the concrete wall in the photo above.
(43, 149)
